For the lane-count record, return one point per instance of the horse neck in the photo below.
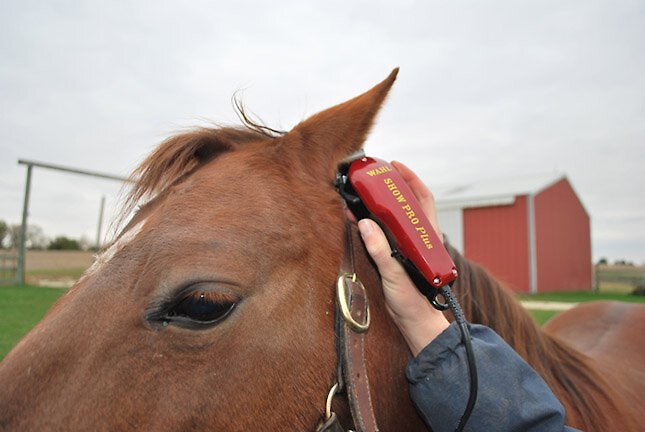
(589, 401)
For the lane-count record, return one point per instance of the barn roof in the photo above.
(499, 191)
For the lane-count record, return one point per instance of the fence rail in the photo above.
(625, 279)
(8, 269)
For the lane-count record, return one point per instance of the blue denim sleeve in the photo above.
(511, 395)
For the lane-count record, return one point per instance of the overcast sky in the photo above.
(486, 89)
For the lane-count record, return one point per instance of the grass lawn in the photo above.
(582, 296)
(21, 307)
(542, 316)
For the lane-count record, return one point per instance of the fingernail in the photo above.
(365, 227)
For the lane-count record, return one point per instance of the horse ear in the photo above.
(335, 133)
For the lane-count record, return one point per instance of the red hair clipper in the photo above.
(373, 188)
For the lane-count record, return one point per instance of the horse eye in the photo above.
(201, 307)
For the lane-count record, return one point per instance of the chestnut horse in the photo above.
(214, 308)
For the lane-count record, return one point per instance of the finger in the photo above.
(420, 190)
(380, 251)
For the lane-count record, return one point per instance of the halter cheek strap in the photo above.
(352, 320)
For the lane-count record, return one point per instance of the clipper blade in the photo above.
(358, 154)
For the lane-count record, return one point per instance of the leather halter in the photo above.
(351, 322)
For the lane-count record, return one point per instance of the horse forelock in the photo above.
(180, 155)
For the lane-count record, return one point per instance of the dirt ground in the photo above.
(57, 260)
(46, 268)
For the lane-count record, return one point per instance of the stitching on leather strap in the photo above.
(356, 376)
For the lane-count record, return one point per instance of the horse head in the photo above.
(214, 307)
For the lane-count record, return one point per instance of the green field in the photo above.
(612, 283)
(582, 296)
(542, 316)
(21, 307)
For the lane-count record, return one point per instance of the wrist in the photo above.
(420, 330)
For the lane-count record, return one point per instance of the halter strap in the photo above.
(351, 322)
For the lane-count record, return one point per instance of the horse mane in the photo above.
(180, 155)
(571, 375)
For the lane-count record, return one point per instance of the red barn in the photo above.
(533, 233)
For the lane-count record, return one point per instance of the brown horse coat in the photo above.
(251, 225)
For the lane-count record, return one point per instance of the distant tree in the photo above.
(14, 236)
(63, 243)
(85, 243)
(4, 230)
(36, 238)
(603, 261)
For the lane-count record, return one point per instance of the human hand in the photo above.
(418, 321)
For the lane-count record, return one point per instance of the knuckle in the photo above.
(381, 251)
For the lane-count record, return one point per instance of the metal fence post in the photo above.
(20, 271)
(100, 224)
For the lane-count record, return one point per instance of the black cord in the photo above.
(450, 299)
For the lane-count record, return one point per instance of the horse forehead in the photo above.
(254, 183)
(236, 191)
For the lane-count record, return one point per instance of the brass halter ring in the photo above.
(330, 397)
(341, 291)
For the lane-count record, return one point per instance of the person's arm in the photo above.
(511, 396)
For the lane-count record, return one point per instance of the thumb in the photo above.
(380, 251)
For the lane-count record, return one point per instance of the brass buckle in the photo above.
(341, 292)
